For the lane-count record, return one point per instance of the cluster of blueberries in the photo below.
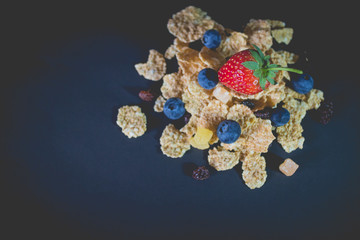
(229, 131)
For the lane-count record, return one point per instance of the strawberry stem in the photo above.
(286, 69)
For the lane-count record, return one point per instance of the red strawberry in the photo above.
(249, 72)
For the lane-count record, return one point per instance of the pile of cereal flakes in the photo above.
(209, 107)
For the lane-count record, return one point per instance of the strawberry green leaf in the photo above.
(262, 82)
(271, 74)
(256, 56)
(257, 73)
(251, 65)
(271, 80)
(259, 51)
(273, 66)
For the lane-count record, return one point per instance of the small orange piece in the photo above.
(288, 167)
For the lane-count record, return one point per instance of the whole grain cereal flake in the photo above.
(222, 159)
(189, 24)
(254, 173)
(283, 35)
(155, 67)
(132, 121)
(159, 104)
(174, 143)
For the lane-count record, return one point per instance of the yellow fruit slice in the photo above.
(201, 138)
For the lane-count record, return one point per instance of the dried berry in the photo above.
(325, 112)
(264, 114)
(146, 95)
(187, 117)
(248, 103)
(201, 173)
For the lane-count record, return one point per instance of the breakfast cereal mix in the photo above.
(226, 100)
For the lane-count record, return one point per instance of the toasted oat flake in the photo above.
(174, 48)
(189, 24)
(222, 159)
(290, 135)
(211, 58)
(276, 23)
(159, 104)
(283, 35)
(193, 104)
(189, 61)
(132, 121)
(290, 58)
(258, 32)
(172, 85)
(212, 115)
(314, 98)
(232, 44)
(190, 128)
(155, 67)
(254, 173)
(174, 143)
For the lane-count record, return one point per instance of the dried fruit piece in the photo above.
(263, 114)
(283, 35)
(201, 173)
(254, 174)
(155, 67)
(288, 167)
(222, 159)
(325, 112)
(222, 93)
(174, 143)
(146, 95)
(132, 121)
(201, 138)
(189, 24)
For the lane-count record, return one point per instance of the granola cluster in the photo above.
(209, 107)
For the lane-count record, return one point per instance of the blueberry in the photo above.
(303, 84)
(174, 108)
(228, 131)
(280, 117)
(211, 39)
(208, 78)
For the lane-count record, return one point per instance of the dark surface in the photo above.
(67, 170)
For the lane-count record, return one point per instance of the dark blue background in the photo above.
(67, 170)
